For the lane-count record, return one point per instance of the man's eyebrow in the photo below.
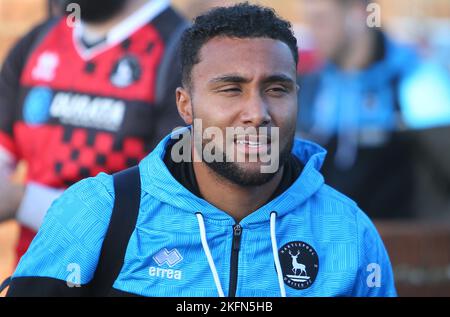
(279, 78)
(230, 78)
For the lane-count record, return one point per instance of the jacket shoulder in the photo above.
(72, 233)
(374, 274)
(336, 198)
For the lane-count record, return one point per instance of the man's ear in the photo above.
(184, 105)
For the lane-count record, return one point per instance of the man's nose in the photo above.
(255, 111)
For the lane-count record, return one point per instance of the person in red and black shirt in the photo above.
(81, 98)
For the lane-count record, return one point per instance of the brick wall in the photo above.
(420, 256)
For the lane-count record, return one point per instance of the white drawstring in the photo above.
(273, 217)
(212, 266)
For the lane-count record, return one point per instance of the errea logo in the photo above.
(169, 258)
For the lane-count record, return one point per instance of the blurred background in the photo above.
(417, 233)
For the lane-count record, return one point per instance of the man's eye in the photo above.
(230, 90)
(278, 90)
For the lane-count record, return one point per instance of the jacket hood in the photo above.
(158, 182)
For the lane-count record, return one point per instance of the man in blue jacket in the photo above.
(379, 109)
(221, 227)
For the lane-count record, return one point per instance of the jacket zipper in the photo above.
(237, 233)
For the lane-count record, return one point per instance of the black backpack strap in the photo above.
(5, 284)
(127, 187)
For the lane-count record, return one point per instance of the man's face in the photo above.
(246, 83)
(327, 21)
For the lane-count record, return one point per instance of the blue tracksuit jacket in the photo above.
(322, 243)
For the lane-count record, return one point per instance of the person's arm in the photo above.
(374, 277)
(11, 70)
(425, 100)
(10, 193)
(36, 200)
(28, 203)
(63, 257)
(430, 145)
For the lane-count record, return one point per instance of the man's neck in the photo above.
(358, 54)
(101, 29)
(237, 201)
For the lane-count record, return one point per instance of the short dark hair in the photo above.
(240, 21)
